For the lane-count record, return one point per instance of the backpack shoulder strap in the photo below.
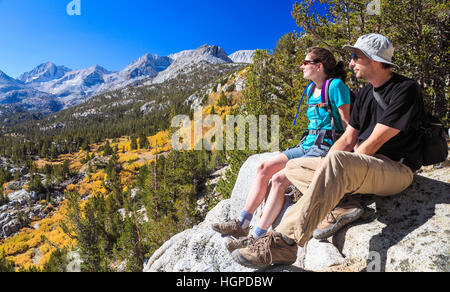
(379, 99)
(326, 92)
(311, 91)
(301, 101)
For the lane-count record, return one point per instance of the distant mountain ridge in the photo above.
(18, 95)
(43, 73)
(62, 87)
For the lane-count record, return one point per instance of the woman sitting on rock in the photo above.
(319, 67)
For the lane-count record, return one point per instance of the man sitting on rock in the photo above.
(384, 162)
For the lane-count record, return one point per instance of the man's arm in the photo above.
(347, 141)
(380, 135)
(344, 113)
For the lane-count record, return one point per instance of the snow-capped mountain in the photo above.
(244, 56)
(145, 67)
(71, 88)
(148, 65)
(186, 61)
(15, 92)
(8, 84)
(43, 73)
(210, 54)
(75, 86)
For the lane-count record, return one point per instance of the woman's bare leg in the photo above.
(265, 172)
(275, 200)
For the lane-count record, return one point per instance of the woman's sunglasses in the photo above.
(307, 62)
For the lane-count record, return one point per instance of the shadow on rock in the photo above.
(389, 220)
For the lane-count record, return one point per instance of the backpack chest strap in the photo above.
(320, 105)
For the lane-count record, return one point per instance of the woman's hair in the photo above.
(333, 69)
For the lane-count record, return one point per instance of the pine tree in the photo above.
(107, 150)
(143, 141)
(134, 145)
(3, 198)
(89, 232)
(417, 29)
(35, 184)
(65, 170)
(6, 266)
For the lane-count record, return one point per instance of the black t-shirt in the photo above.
(405, 108)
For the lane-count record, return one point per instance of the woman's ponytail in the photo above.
(340, 71)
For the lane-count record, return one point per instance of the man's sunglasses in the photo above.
(355, 57)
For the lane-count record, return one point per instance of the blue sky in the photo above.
(113, 33)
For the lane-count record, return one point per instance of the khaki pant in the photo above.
(324, 185)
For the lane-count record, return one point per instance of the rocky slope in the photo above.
(16, 96)
(25, 206)
(407, 232)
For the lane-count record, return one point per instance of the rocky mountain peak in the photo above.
(214, 51)
(243, 56)
(147, 65)
(43, 73)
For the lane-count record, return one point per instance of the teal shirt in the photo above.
(319, 118)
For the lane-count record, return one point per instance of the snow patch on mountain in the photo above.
(43, 73)
(186, 61)
(76, 86)
(243, 56)
(145, 67)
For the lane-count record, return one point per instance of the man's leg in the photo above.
(341, 173)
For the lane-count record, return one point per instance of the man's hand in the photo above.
(380, 135)
(347, 141)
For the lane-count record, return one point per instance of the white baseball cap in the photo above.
(376, 47)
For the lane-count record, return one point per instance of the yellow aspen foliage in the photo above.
(126, 178)
(161, 139)
(22, 247)
(25, 260)
(127, 157)
(71, 188)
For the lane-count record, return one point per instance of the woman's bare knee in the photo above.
(280, 179)
(272, 166)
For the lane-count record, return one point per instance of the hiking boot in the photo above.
(231, 228)
(232, 245)
(345, 213)
(273, 248)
